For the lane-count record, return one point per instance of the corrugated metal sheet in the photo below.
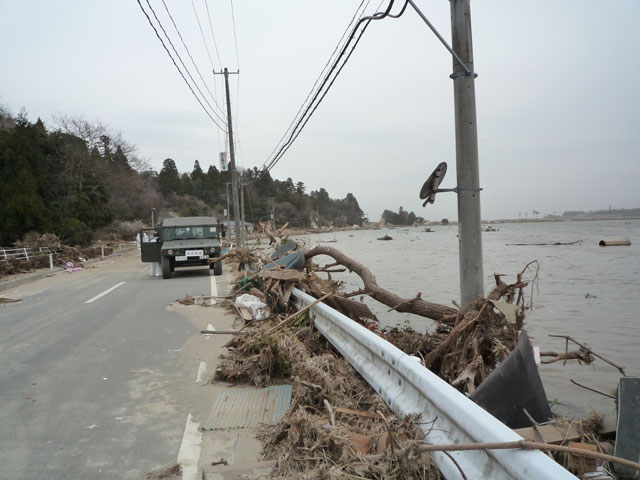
(249, 407)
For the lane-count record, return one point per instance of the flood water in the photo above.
(588, 292)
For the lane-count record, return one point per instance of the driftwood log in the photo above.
(417, 306)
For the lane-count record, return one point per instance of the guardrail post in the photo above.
(25, 253)
(119, 246)
(4, 252)
(51, 261)
(102, 250)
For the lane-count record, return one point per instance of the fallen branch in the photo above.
(580, 355)
(527, 445)
(220, 258)
(283, 322)
(416, 306)
(591, 352)
(591, 389)
(541, 244)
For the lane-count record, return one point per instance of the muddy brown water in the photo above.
(589, 292)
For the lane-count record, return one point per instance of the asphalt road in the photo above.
(92, 390)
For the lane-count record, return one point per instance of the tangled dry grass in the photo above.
(317, 439)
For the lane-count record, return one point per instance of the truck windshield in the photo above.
(185, 233)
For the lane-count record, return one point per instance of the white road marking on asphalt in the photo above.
(189, 453)
(214, 290)
(201, 369)
(105, 292)
(211, 328)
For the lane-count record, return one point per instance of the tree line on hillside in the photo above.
(80, 179)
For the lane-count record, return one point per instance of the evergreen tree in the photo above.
(169, 178)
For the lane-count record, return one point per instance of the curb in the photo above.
(17, 282)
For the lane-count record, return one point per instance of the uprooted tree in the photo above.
(468, 343)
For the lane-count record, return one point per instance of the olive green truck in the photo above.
(183, 242)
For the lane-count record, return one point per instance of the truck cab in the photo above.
(183, 242)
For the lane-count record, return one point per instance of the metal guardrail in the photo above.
(26, 253)
(10, 254)
(449, 417)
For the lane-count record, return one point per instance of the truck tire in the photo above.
(166, 267)
(217, 268)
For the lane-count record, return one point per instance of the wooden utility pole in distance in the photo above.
(234, 175)
(469, 219)
(228, 210)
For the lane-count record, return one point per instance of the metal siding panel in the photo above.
(249, 407)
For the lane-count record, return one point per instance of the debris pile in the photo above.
(337, 426)
(62, 254)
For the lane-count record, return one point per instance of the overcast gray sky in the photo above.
(557, 93)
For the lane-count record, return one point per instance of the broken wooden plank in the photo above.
(245, 314)
(287, 275)
(554, 433)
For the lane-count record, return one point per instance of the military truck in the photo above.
(183, 242)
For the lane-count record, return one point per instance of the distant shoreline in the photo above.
(300, 231)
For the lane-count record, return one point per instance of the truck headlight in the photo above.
(170, 252)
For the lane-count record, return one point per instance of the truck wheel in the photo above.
(217, 268)
(166, 267)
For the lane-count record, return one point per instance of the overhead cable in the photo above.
(358, 13)
(206, 46)
(215, 44)
(320, 92)
(176, 65)
(182, 63)
(322, 72)
(235, 36)
(235, 39)
(213, 97)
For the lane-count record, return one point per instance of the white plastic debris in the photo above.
(258, 309)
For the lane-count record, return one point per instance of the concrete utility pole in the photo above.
(242, 209)
(228, 211)
(469, 218)
(273, 212)
(234, 174)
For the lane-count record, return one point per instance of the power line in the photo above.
(180, 59)
(202, 34)
(324, 69)
(212, 34)
(358, 12)
(235, 36)
(398, 15)
(319, 94)
(176, 65)
(235, 40)
(213, 97)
